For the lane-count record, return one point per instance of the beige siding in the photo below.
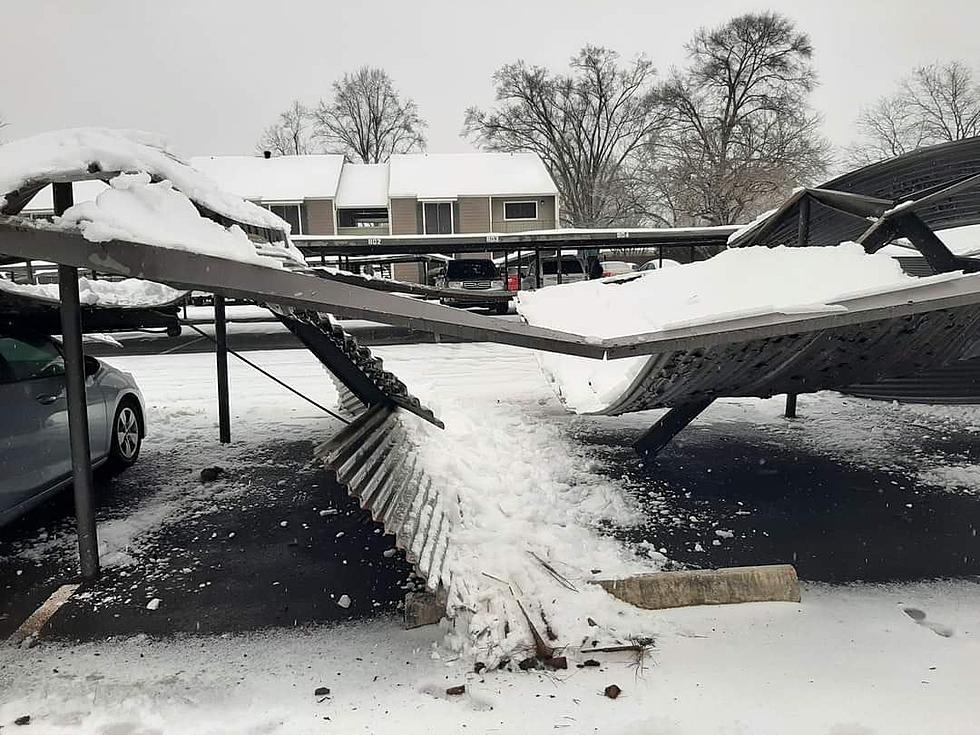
(404, 220)
(407, 272)
(545, 220)
(474, 214)
(319, 217)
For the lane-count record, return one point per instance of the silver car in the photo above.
(35, 456)
(573, 269)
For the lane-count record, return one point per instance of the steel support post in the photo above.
(30, 272)
(558, 265)
(667, 427)
(537, 268)
(790, 411)
(78, 437)
(520, 276)
(221, 351)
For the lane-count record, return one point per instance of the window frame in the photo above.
(521, 201)
(25, 338)
(300, 212)
(452, 215)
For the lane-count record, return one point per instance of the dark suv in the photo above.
(479, 276)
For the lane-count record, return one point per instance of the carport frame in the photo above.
(78, 428)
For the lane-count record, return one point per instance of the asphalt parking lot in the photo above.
(741, 495)
(275, 542)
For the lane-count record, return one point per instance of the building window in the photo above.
(437, 218)
(369, 218)
(520, 210)
(294, 214)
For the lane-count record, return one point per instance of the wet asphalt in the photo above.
(733, 495)
(279, 544)
(284, 552)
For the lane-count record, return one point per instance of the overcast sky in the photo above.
(210, 74)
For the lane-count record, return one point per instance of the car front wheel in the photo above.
(127, 437)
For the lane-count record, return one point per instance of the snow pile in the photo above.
(59, 153)
(134, 209)
(737, 283)
(525, 498)
(129, 292)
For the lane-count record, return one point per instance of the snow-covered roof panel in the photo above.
(82, 191)
(363, 185)
(446, 175)
(82, 153)
(276, 179)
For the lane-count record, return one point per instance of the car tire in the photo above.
(173, 330)
(126, 435)
(502, 308)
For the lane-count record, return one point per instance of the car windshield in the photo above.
(568, 265)
(459, 270)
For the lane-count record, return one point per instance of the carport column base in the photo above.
(790, 412)
(668, 426)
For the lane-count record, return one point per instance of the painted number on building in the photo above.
(622, 235)
(493, 238)
(374, 241)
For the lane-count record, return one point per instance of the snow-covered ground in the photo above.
(847, 661)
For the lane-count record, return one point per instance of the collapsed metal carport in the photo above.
(865, 338)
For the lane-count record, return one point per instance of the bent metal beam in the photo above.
(245, 280)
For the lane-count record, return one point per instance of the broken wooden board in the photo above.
(661, 590)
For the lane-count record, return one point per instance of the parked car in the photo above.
(516, 276)
(657, 264)
(573, 269)
(617, 268)
(476, 275)
(35, 457)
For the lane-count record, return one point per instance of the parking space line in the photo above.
(175, 348)
(32, 626)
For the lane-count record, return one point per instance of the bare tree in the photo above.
(937, 103)
(367, 120)
(290, 134)
(586, 126)
(741, 130)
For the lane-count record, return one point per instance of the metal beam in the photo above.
(536, 241)
(668, 426)
(221, 355)
(934, 250)
(78, 438)
(245, 280)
